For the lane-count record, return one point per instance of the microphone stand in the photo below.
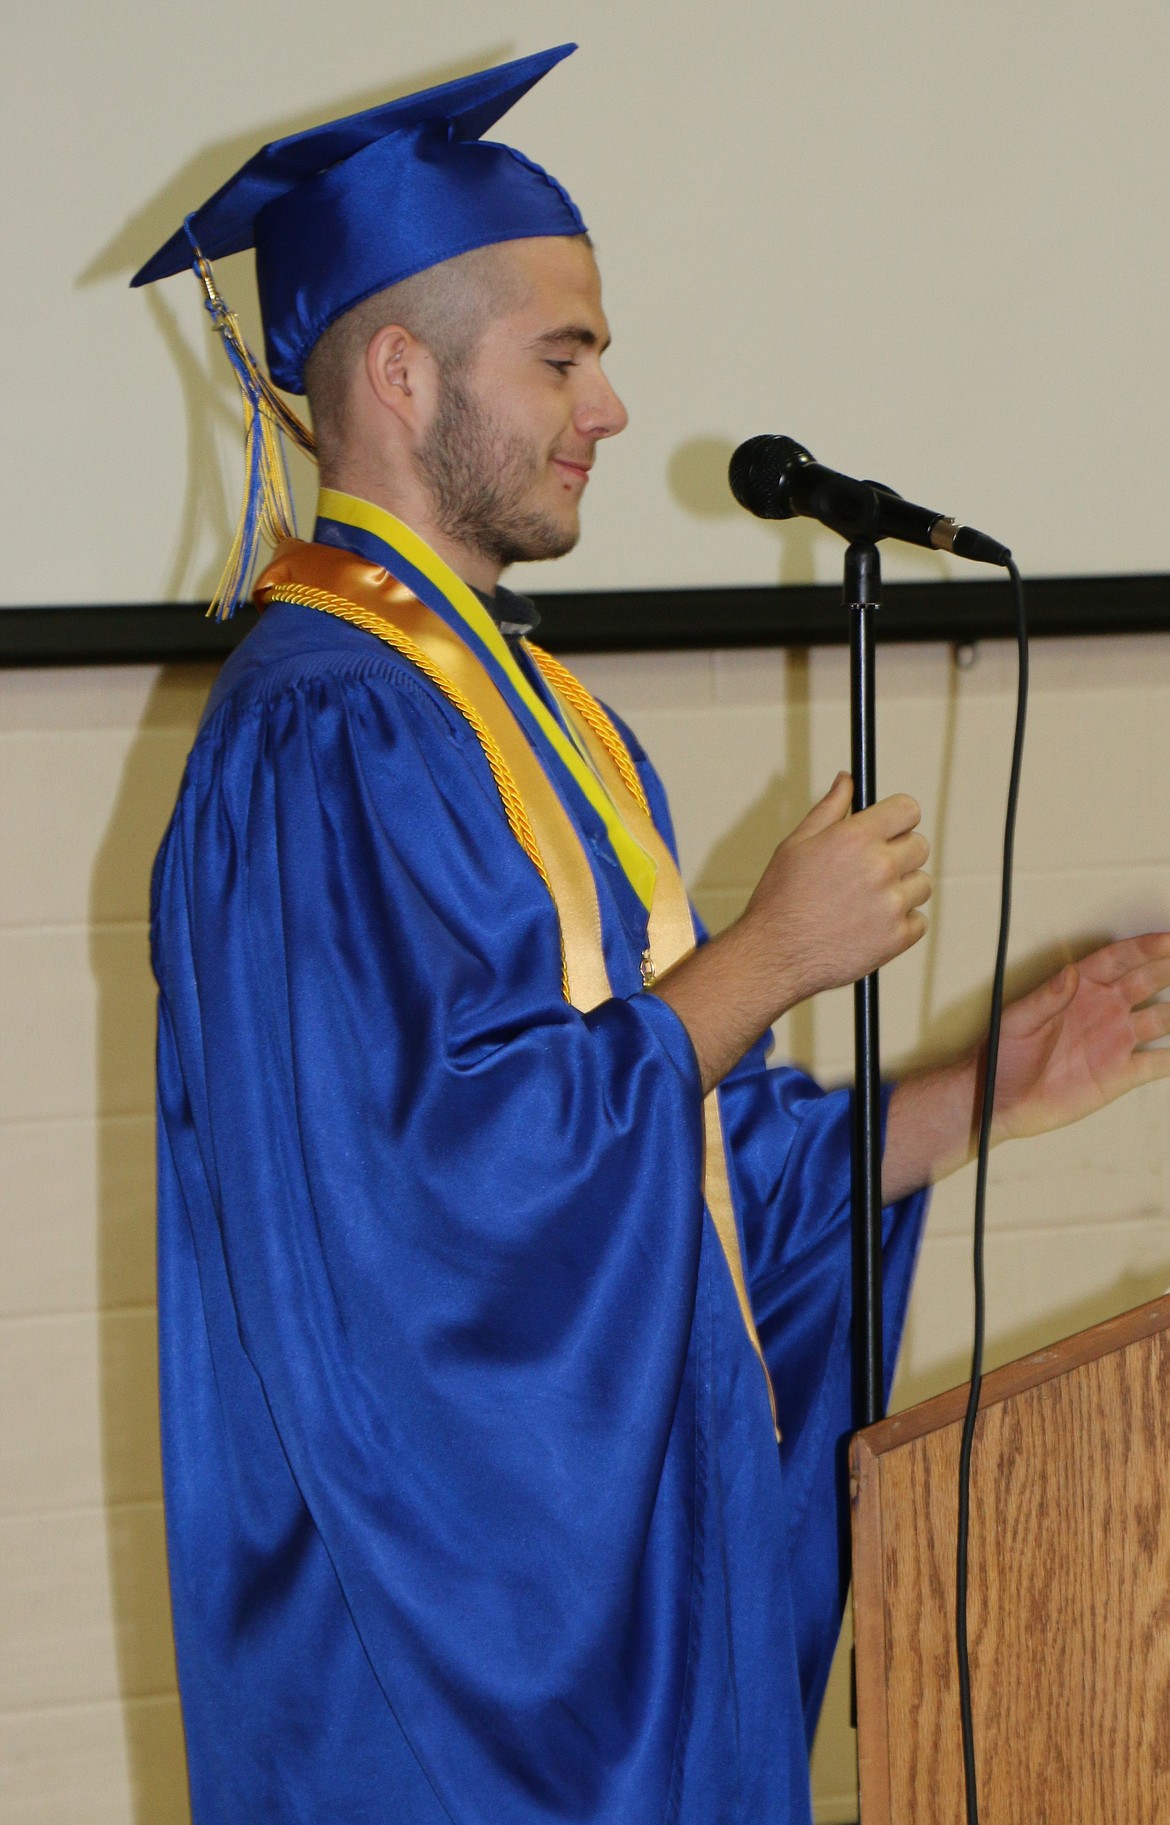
(862, 597)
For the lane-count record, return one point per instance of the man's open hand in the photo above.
(1077, 1042)
(1071, 1046)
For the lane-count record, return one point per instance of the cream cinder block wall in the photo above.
(89, 763)
(89, 1724)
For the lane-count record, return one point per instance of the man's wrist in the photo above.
(775, 978)
(932, 1125)
(726, 995)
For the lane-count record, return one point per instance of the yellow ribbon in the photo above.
(351, 511)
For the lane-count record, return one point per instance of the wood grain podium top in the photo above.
(1069, 1614)
(1016, 1377)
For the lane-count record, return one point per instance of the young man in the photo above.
(481, 1313)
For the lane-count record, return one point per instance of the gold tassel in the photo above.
(267, 510)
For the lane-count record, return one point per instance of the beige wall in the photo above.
(926, 238)
(89, 762)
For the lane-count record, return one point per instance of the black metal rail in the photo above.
(639, 620)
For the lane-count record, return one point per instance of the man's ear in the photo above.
(399, 371)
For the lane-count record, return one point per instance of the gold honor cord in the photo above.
(572, 693)
(365, 595)
(349, 510)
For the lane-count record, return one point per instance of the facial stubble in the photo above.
(478, 475)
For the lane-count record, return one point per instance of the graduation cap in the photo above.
(345, 210)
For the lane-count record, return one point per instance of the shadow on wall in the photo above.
(210, 399)
(743, 852)
(139, 1598)
(696, 477)
(209, 389)
(159, 217)
(1039, 1333)
(962, 1022)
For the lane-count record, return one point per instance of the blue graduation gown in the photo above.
(475, 1513)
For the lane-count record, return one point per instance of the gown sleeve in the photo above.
(789, 1153)
(790, 1143)
(457, 1224)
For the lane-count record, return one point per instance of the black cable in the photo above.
(1005, 913)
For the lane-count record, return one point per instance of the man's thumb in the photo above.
(829, 810)
(1063, 987)
(1035, 1011)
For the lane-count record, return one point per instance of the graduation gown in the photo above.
(475, 1511)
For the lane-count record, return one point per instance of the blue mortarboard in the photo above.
(343, 210)
(338, 213)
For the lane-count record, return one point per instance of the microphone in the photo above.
(777, 479)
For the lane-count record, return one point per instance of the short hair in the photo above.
(448, 307)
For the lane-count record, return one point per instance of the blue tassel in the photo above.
(267, 509)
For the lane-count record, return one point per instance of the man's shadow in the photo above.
(210, 398)
(741, 854)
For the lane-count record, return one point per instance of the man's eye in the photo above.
(562, 367)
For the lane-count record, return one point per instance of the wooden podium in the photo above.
(1070, 1591)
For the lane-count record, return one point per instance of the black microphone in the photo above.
(777, 479)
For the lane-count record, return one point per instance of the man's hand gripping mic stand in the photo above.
(777, 478)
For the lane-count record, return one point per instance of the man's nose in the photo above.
(603, 414)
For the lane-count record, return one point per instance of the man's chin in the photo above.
(531, 545)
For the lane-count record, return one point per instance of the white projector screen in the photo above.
(927, 240)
